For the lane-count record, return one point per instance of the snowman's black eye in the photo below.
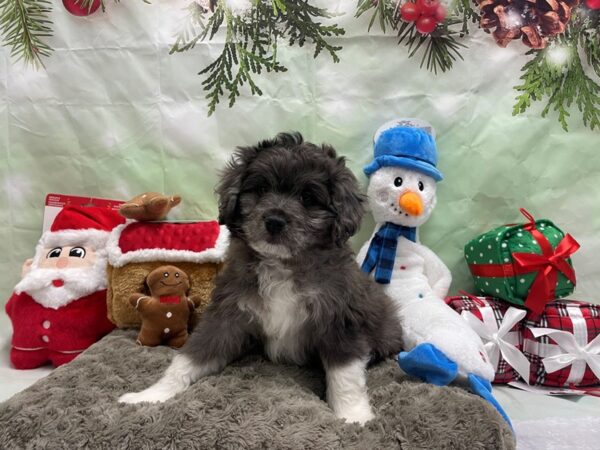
(166, 274)
(398, 182)
(421, 186)
(77, 252)
(54, 253)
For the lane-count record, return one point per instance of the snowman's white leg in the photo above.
(432, 321)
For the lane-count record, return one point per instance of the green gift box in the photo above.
(524, 264)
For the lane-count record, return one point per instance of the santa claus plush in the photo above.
(58, 309)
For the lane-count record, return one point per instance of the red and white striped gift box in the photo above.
(563, 344)
(499, 326)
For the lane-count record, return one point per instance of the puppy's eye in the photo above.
(398, 182)
(260, 189)
(421, 186)
(176, 274)
(77, 252)
(166, 274)
(54, 253)
(308, 198)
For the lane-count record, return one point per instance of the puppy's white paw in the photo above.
(357, 414)
(150, 395)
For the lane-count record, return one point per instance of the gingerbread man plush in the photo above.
(166, 311)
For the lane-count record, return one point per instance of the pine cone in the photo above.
(534, 21)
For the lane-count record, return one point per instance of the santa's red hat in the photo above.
(85, 226)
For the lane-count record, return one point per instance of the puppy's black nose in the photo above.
(274, 224)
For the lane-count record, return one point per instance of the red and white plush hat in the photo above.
(85, 226)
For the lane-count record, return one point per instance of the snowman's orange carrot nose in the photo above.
(411, 203)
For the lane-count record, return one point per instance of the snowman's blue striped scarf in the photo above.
(382, 250)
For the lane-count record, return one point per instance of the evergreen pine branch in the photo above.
(586, 93)
(251, 42)
(25, 25)
(197, 28)
(278, 6)
(589, 38)
(300, 26)
(249, 49)
(568, 84)
(464, 9)
(441, 49)
(384, 11)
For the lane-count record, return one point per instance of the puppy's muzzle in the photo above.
(275, 223)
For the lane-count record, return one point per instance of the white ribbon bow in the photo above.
(589, 353)
(494, 342)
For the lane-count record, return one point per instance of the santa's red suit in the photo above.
(43, 335)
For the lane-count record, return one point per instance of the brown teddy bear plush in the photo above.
(149, 206)
(166, 311)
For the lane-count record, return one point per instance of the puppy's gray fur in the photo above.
(292, 286)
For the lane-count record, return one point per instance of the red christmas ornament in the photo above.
(428, 7)
(409, 12)
(593, 4)
(426, 24)
(440, 14)
(76, 7)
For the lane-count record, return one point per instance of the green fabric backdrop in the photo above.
(114, 114)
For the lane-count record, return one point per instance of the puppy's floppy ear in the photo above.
(230, 186)
(347, 201)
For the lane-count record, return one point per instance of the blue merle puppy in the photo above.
(290, 281)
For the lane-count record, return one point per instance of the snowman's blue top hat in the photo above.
(409, 147)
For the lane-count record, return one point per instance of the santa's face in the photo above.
(60, 275)
(401, 196)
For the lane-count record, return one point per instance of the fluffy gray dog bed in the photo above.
(252, 404)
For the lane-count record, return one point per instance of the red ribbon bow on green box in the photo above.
(547, 265)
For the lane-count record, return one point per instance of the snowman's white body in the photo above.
(420, 280)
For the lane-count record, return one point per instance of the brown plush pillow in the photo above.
(137, 248)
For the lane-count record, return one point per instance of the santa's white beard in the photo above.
(78, 282)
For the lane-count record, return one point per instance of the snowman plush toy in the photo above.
(439, 345)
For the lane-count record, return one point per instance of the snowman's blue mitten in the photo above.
(429, 364)
(483, 388)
